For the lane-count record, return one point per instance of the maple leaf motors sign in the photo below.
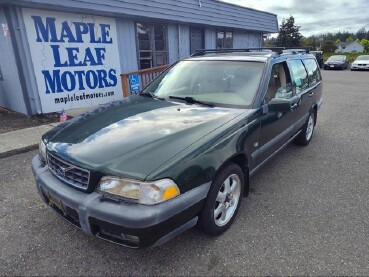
(75, 59)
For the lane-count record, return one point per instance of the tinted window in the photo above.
(362, 58)
(313, 72)
(299, 75)
(338, 58)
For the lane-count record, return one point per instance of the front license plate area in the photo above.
(54, 201)
(332, 66)
(66, 212)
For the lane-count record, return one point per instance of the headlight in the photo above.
(42, 150)
(148, 193)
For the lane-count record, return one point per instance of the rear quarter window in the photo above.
(313, 72)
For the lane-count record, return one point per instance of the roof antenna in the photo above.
(200, 4)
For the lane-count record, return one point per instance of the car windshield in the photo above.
(363, 58)
(336, 58)
(222, 83)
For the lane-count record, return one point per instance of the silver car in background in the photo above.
(361, 63)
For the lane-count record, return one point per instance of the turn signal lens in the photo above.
(42, 151)
(147, 193)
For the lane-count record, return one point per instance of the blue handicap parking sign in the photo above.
(134, 83)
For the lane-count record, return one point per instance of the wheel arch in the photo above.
(242, 161)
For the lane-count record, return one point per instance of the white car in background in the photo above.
(361, 62)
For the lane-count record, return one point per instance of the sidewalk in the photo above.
(24, 140)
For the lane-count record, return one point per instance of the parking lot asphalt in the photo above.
(307, 213)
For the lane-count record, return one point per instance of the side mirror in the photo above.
(279, 105)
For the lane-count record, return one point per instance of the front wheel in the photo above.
(306, 134)
(223, 200)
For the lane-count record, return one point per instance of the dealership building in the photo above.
(70, 54)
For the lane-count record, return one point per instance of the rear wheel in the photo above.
(223, 200)
(307, 132)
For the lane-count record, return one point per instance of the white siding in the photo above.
(243, 39)
(184, 41)
(173, 45)
(210, 38)
(11, 95)
(127, 45)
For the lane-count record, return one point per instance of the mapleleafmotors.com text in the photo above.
(84, 96)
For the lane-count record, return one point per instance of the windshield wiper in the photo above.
(191, 100)
(152, 95)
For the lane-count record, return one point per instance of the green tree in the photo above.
(338, 41)
(289, 35)
(269, 42)
(310, 42)
(349, 39)
(365, 43)
(361, 34)
(329, 46)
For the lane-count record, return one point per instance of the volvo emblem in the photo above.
(61, 171)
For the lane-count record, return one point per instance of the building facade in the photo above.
(69, 54)
(349, 47)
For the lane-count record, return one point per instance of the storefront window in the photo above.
(153, 46)
(224, 39)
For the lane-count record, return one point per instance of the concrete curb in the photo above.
(18, 151)
(22, 140)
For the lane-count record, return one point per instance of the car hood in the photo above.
(133, 137)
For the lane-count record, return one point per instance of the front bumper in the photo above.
(130, 224)
(360, 66)
(333, 66)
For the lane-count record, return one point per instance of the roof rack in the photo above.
(278, 50)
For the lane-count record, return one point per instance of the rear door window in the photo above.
(299, 75)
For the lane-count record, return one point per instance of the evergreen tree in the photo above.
(329, 46)
(361, 34)
(289, 35)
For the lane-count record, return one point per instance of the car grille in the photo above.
(68, 173)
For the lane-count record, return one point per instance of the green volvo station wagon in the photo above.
(141, 171)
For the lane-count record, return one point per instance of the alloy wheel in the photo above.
(227, 200)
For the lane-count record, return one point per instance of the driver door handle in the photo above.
(294, 106)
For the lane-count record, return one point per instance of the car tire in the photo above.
(223, 200)
(307, 132)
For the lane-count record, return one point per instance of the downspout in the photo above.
(179, 40)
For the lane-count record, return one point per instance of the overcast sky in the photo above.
(316, 16)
